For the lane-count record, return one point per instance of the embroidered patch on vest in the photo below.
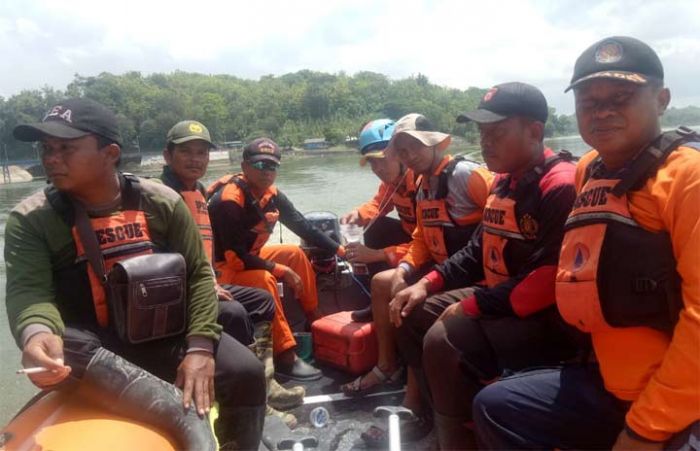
(528, 226)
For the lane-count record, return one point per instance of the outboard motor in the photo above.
(323, 261)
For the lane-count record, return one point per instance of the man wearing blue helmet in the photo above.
(386, 239)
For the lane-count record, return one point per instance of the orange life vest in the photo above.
(266, 212)
(120, 236)
(441, 233)
(612, 272)
(404, 200)
(197, 205)
(501, 226)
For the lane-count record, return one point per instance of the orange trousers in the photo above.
(289, 255)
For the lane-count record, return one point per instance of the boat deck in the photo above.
(348, 416)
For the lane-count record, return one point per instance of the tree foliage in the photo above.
(288, 108)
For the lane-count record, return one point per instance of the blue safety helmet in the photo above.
(375, 136)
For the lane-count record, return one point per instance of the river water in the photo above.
(330, 182)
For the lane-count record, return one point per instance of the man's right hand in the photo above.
(406, 300)
(45, 350)
(350, 218)
(223, 294)
(398, 281)
(293, 280)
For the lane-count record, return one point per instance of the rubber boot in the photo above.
(130, 391)
(453, 433)
(278, 397)
(287, 418)
(240, 427)
(282, 398)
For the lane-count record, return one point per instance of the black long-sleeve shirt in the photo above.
(531, 262)
(237, 225)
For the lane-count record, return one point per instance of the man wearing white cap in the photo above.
(449, 203)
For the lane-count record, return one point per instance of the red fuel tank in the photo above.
(345, 344)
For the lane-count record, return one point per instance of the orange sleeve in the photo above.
(670, 402)
(418, 253)
(479, 186)
(581, 166)
(369, 210)
(394, 254)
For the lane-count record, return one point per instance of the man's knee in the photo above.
(381, 282)
(240, 376)
(234, 319)
(436, 347)
(267, 306)
(488, 406)
(79, 346)
(296, 258)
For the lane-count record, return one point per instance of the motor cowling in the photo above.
(322, 260)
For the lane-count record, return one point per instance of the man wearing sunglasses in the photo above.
(244, 209)
(244, 312)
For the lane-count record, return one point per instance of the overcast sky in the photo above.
(455, 43)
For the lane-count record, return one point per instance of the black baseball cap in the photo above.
(509, 100)
(71, 119)
(262, 149)
(619, 58)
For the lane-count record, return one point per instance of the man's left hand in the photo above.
(195, 376)
(626, 442)
(359, 253)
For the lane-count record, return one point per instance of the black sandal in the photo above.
(355, 389)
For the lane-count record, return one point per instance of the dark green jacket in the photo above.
(39, 243)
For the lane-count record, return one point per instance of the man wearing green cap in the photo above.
(244, 312)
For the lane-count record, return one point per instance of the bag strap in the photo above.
(536, 173)
(131, 200)
(89, 241)
(249, 198)
(648, 161)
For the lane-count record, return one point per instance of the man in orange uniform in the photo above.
(449, 204)
(386, 240)
(244, 209)
(628, 276)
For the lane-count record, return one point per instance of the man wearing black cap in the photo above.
(244, 209)
(463, 338)
(59, 310)
(627, 275)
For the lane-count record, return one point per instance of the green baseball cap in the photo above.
(188, 131)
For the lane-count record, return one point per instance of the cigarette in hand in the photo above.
(33, 370)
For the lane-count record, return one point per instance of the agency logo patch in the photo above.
(528, 227)
(581, 256)
(196, 128)
(489, 94)
(609, 52)
(266, 147)
(494, 255)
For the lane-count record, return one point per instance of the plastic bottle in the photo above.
(319, 417)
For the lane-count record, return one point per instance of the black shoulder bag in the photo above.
(146, 293)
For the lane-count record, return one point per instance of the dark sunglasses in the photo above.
(265, 166)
